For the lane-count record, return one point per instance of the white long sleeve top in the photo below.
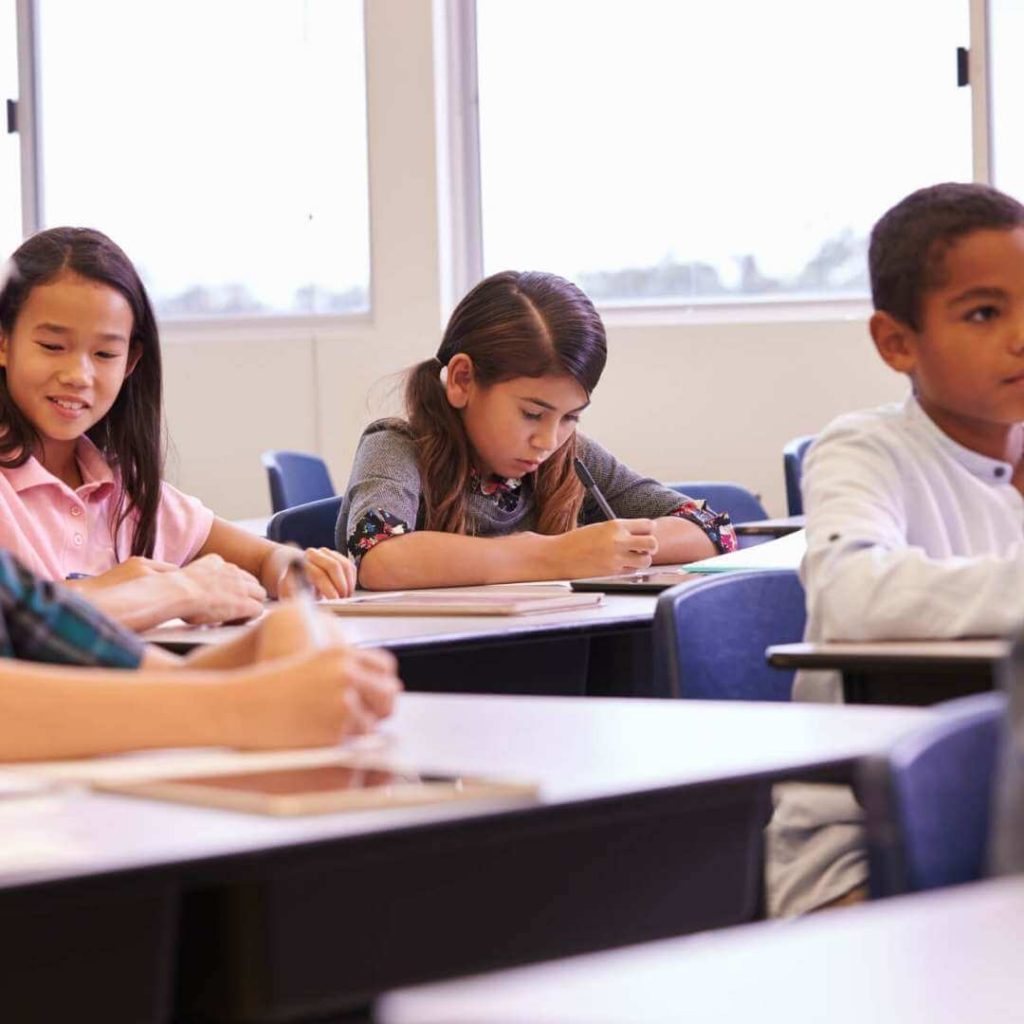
(909, 536)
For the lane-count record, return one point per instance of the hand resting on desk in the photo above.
(142, 592)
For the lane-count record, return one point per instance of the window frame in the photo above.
(289, 324)
(458, 195)
(462, 76)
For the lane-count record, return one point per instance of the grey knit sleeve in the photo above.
(383, 495)
(633, 496)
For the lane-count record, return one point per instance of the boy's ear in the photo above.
(3, 349)
(896, 341)
(459, 381)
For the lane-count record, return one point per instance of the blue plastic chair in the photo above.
(296, 478)
(710, 635)
(927, 800)
(722, 496)
(310, 525)
(792, 467)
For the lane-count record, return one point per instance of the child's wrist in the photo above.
(544, 551)
(185, 591)
(275, 566)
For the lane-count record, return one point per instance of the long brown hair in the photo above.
(510, 325)
(130, 435)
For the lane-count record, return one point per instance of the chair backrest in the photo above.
(310, 526)
(927, 800)
(723, 496)
(296, 478)
(792, 467)
(710, 635)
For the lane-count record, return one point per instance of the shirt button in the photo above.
(78, 540)
(1000, 471)
(75, 510)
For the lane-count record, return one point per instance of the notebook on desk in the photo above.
(464, 601)
(783, 553)
(322, 789)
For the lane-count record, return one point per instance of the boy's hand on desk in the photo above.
(620, 545)
(331, 573)
(218, 591)
(313, 699)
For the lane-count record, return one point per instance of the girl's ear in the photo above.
(459, 383)
(134, 355)
(896, 341)
(3, 349)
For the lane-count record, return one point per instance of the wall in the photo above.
(679, 400)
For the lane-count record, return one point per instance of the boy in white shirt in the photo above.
(915, 511)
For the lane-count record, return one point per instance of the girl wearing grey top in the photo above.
(479, 479)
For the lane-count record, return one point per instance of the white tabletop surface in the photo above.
(412, 630)
(573, 749)
(947, 957)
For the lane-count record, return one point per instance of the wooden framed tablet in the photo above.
(323, 789)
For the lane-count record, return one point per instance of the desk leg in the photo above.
(622, 664)
(88, 950)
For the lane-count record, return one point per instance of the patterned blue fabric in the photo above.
(42, 621)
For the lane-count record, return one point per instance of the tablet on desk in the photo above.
(647, 581)
(323, 789)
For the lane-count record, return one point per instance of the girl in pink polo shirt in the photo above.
(81, 453)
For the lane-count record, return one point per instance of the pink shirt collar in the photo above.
(96, 473)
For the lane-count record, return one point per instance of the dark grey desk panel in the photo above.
(938, 958)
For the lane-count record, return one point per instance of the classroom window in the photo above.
(221, 144)
(1006, 23)
(686, 151)
(10, 158)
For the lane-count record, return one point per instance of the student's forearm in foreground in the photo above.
(431, 559)
(54, 712)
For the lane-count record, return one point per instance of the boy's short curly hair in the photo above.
(909, 243)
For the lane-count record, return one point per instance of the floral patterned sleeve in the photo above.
(371, 528)
(717, 525)
(383, 495)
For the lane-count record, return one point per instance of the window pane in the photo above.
(681, 149)
(10, 154)
(221, 143)
(1006, 24)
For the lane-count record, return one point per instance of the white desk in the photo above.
(648, 825)
(575, 750)
(939, 958)
(901, 671)
(403, 631)
(604, 651)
